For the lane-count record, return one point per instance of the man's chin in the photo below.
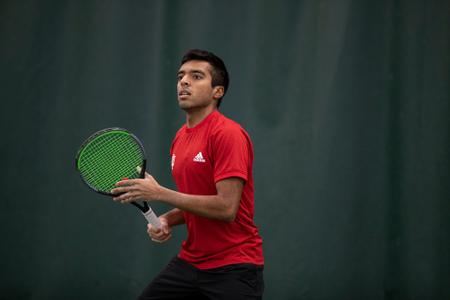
(183, 105)
(186, 106)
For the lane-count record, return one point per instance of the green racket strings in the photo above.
(108, 158)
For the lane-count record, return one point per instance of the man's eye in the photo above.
(197, 77)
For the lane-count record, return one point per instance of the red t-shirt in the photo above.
(215, 149)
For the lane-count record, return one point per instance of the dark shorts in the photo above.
(180, 280)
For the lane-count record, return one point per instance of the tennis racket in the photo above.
(111, 155)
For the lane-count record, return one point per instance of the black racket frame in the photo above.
(144, 206)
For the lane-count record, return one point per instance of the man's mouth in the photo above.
(184, 93)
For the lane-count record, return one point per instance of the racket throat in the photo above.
(143, 207)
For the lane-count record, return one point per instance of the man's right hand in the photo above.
(160, 235)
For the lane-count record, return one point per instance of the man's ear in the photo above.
(218, 92)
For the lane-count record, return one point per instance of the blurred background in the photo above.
(347, 103)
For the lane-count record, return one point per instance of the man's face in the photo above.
(194, 85)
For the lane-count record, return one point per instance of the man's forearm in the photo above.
(217, 207)
(174, 217)
(222, 206)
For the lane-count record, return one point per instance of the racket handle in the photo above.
(152, 218)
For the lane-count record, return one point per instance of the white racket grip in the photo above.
(152, 218)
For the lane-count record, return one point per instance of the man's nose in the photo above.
(184, 81)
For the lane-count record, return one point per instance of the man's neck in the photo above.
(194, 117)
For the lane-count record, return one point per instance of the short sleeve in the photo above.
(231, 154)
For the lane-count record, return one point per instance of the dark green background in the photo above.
(347, 103)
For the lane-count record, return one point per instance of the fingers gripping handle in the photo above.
(152, 218)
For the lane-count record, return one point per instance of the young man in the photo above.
(212, 160)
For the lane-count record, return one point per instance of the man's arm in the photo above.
(174, 217)
(168, 220)
(222, 206)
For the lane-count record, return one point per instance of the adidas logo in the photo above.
(199, 158)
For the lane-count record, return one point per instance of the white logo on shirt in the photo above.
(173, 160)
(199, 158)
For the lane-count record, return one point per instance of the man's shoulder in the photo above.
(178, 134)
(225, 124)
(226, 128)
(180, 130)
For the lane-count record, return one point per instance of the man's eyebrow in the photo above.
(191, 72)
(197, 71)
